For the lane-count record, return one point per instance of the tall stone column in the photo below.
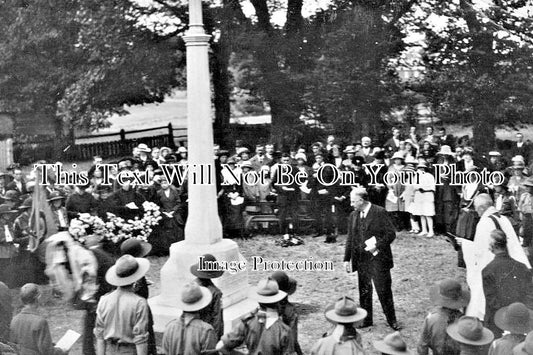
(203, 230)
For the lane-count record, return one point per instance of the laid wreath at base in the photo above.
(116, 229)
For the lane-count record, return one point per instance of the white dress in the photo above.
(424, 202)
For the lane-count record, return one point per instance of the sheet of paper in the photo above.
(237, 201)
(9, 237)
(132, 206)
(68, 340)
(392, 197)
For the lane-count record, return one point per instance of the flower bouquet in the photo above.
(116, 229)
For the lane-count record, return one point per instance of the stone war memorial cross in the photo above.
(203, 230)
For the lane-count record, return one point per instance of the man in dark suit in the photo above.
(393, 144)
(18, 184)
(505, 280)
(370, 233)
(366, 150)
(520, 147)
(446, 139)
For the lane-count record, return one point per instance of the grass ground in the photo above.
(418, 263)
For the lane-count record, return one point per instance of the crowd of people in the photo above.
(490, 225)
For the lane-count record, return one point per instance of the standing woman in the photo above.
(394, 204)
(424, 200)
(408, 195)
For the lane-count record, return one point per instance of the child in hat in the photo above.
(262, 331)
(472, 337)
(212, 313)
(392, 344)
(449, 299)
(516, 320)
(286, 309)
(122, 316)
(344, 339)
(189, 334)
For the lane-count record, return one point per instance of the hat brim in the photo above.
(381, 346)
(437, 299)
(113, 279)
(144, 150)
(56, 198)
(487, 336)
(201, 274)
(199, 305)
(267, 299)
(501, 322)
(335, 318)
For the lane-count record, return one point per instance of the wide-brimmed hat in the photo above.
(525, 347)
(449, 293)
(470, 331)
(194, 297)
(182, 150)
(392, 344)
(301, 156)
(422, 164)
(165, 148)
(135, 247)
(528, 181)
(204, 268)
(410, 160)
(345, 311)
(246, 164)
(445, 150)
(349, 149)
(26, 204)
(242, 150)
(127, 270)
(267, 291)
(5, 209)
(11, 195)
(144, 148)
(518, 159)
(285, 283)
(55, 195)
(494, 153)
(515, 318)
(398, 155)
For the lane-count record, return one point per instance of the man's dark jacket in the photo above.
(376, 224)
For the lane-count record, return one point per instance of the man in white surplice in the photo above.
(477, 253)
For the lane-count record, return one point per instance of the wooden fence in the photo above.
(115, 145)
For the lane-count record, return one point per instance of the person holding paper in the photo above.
(477, 253)
(127, 202)
(28, 329)
(370, 233)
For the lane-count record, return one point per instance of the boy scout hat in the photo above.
(267, 291)
(285, 283)
(5, 209)
(127, 270)
(345, 311)
(449, 293)
(55, 195)
(135, 247)
(194, 297)
(200, 270)
(470, 331)
(392, 344)
(26, 204)
(11, 195)
(515, 318)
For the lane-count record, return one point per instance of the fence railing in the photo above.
(116, 145)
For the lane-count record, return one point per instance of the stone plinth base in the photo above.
(232, 314)
(176, 273)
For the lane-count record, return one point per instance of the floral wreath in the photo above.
(116, 229)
